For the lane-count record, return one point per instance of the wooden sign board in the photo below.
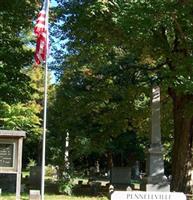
(8, 151)
(124, 195)
(6, 155)
(11, 155)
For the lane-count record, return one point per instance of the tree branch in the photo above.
(180, 31)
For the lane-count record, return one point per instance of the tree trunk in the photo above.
(182, 160)
(109, 160)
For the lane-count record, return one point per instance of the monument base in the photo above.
(138, 195)
(157, 188)
(161, 187)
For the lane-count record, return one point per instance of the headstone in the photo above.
(95, 187)
(23, 187)
(120, 177)
(35, 177)
(97, 167)
(135, 172)
(34, 195)
(124, 195)
(155, 165)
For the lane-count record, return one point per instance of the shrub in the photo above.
(50, 170)
(65, 185)
(32, 163)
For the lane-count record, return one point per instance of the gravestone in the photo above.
(97, 167)
(155, 180)
(34, 195)
(138, 195)
(120, 177)
(11, 160)
(135, 171)
(95, 187)
(35, 178)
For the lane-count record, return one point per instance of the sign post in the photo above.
(11, 143)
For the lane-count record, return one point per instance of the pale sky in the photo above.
(53, 3)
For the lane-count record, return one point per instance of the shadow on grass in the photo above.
(85, 190)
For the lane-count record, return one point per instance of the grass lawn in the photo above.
(62, 197)
(55, 197)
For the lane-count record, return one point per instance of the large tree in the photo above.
(160, 35)
(97, 106)
(20, 100)
(16, 20)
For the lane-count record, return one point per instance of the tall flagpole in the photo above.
(45, 107)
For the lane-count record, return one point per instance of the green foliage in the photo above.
(23, 117)
(16, 17)
(32, 163)
(103, 91)
(20, 116)
(65, 187)
(157, 33)
(116, 51)
(96, 106)
(50, 170)
(65, 184)
(20, 105)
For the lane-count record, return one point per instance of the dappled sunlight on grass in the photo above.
(55, 197)
(62, 197)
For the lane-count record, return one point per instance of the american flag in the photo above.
(41, 31)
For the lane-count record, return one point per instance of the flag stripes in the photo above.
(41, 31)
